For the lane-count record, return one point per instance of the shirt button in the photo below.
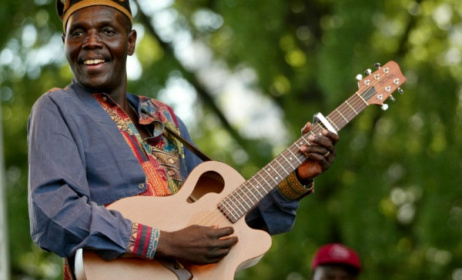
(104, 98)
(141, 186)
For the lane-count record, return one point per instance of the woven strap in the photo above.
(190, 146)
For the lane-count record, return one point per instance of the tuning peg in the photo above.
(368, 72)
(377, 65)
(392, 98)
(359, 77)
(400, 90)
(385, 107)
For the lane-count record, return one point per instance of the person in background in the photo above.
(335, 262)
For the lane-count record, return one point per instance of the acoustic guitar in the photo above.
(216, 194)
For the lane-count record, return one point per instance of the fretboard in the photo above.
(238, 203)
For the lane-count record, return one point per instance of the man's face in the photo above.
(97, 42)
(332, 272)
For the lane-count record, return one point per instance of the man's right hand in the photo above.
(196, 244)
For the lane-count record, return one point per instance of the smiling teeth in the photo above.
(93, 61)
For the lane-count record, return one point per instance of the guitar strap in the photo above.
(189, 145)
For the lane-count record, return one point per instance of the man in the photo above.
(92, 143)
(335, 262)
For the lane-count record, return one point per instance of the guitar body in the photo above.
(195, 203)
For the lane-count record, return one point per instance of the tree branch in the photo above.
(192, 79)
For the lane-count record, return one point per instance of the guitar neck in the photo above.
(374, 89)
(246, 197)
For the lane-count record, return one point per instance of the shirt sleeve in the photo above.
(143, 241)
(62, 216)
(292, 189)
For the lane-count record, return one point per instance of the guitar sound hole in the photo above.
(209, 182)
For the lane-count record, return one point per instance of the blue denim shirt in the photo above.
(79, 161)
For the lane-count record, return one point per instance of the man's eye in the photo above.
(108, 31)
(77, 33)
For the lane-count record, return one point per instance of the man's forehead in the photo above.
(97, 17)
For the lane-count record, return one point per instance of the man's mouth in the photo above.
(93, 61)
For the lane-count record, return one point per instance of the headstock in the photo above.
(376, 87)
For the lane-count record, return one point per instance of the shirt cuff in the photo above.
(143, 241)
(292, 189)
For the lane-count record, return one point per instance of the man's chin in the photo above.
(94, 86)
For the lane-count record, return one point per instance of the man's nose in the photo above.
(92, 40)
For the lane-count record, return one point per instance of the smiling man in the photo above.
(92, 143)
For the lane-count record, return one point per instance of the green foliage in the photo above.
(393, 193)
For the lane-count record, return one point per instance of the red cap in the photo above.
(336, 254)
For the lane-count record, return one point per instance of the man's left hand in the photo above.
(320, 154)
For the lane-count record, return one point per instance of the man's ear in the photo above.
(131, 42)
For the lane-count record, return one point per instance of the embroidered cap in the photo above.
(336, 254)
(65, 8)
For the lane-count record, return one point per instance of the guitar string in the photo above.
(213, 218)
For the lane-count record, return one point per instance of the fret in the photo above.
(337, 119)
(302, 141)
(283, 167)
(263, 177)
(236, 205)
(288, 161)
(318, 128)
(246, 191)
(333, 123)
(256, 187)
(346, 113)
(276, 173)
(355, 105)
(297, 156)
(267, 172)
(338, 111)
(252, 193)
(352, 108)
(242, 199)
(228, 211)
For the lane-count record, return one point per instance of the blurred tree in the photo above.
(393, 193)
